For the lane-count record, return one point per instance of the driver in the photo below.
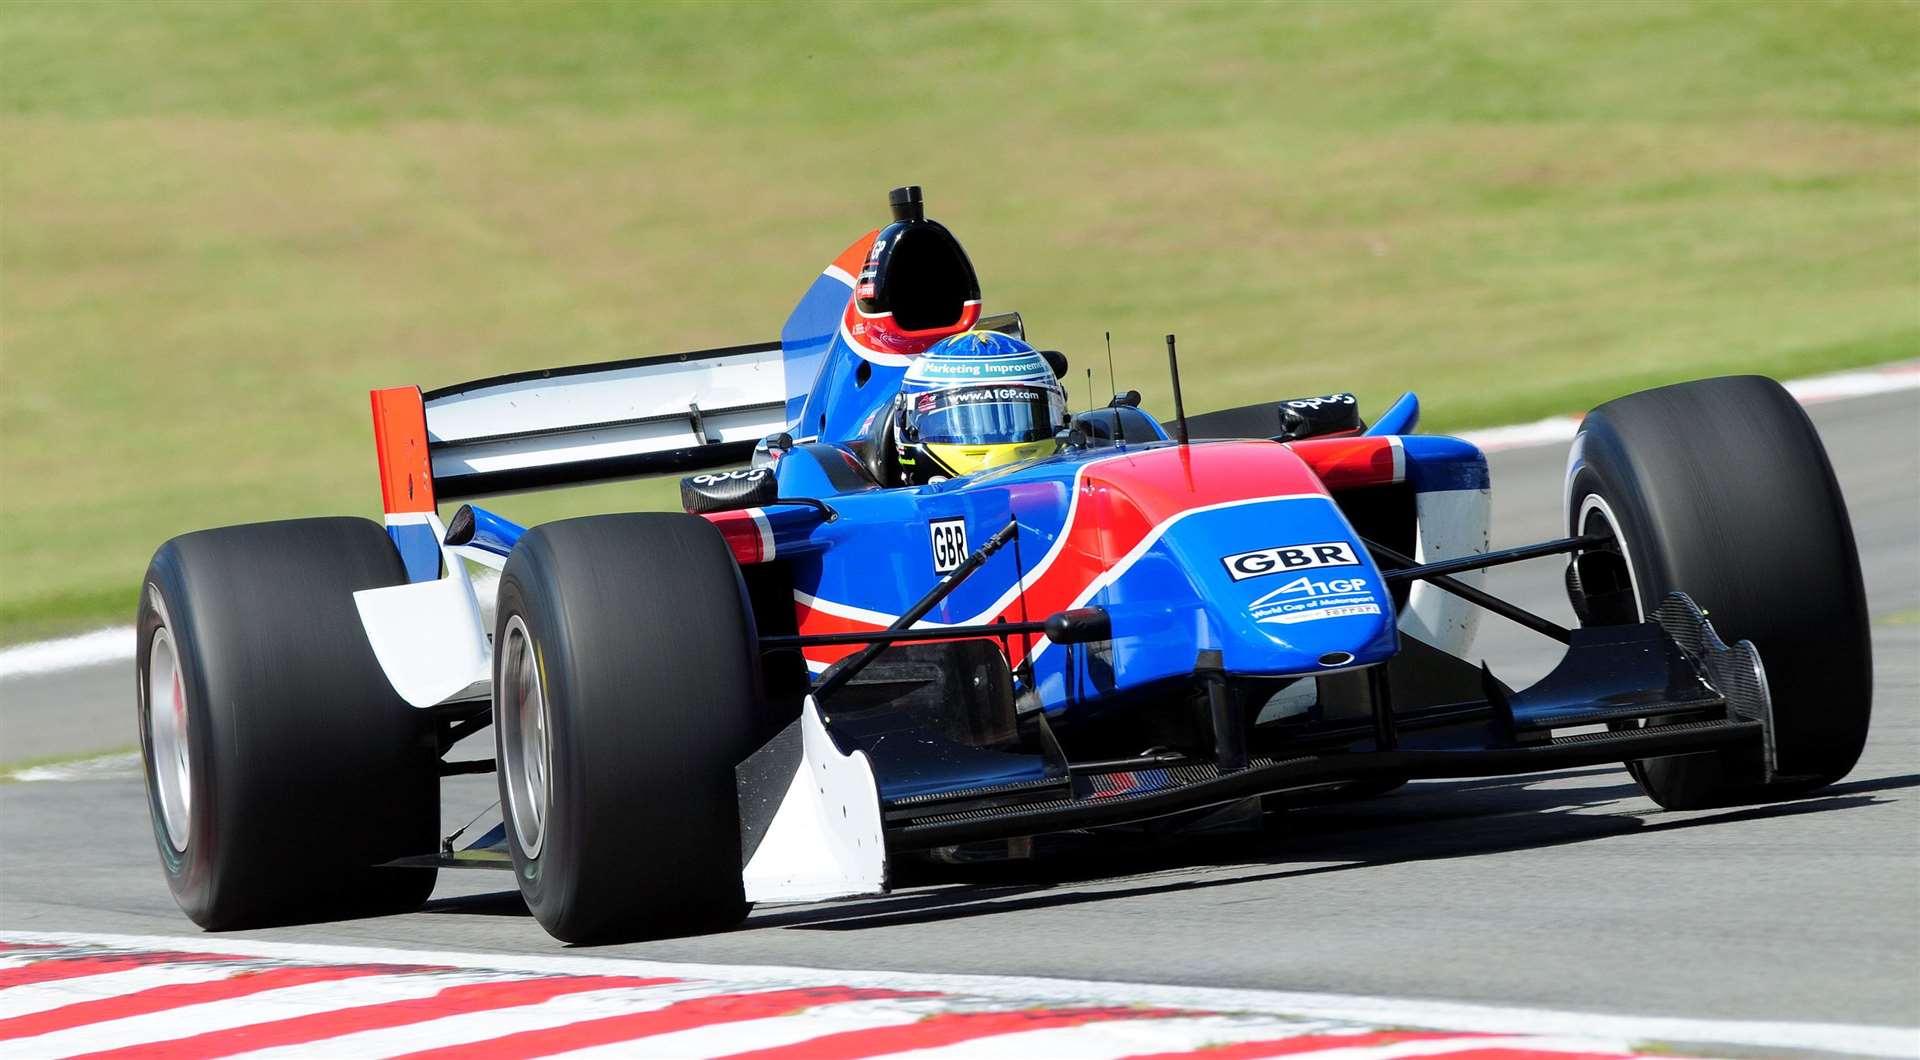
(973, 401)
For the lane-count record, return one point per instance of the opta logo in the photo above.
(1283, 558)
(1316, 402)
(745, 473)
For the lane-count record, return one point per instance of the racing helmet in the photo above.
(973, 401)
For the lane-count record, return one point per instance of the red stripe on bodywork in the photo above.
(400, 441)
(453, 1001)
(54, 969)
(1346, 463)
(160, 998)
(1303, 1043)
(852, 258)
(946, 1029)
(680, 1016)
(743, 535)
(1119, 501)
(879, 334)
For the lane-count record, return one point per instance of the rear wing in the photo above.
(538, 430)
(530, 431)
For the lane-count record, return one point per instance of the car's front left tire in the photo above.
(1720, 488)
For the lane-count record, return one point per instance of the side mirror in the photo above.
(1081, 625)
(1056, 361)
(1128, 400)
(728, 491)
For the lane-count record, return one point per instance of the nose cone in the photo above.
(1287, 584)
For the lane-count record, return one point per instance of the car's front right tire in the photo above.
(626, 685)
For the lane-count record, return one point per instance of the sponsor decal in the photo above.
(970, 368)
(1283, 558)
(1317, 402)
(745, 474)
(949, 544)
(1308, 599)
(994, 393)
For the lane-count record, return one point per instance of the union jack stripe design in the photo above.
(1120, 507)
(70, 999)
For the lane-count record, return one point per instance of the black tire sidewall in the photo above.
(308, 770)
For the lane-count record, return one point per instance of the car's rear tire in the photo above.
(281, 766)
(626, 688)
(1721, 489)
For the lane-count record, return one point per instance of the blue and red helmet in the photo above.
(977, 400)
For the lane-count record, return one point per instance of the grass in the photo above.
(10, 771)
(221, 223)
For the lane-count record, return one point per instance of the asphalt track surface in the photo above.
(1568, 890)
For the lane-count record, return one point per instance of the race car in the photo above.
(916, 605)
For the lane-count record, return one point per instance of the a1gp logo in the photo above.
(1284, 558)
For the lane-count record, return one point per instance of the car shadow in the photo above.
(1421, 822)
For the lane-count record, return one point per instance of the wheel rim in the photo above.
(525, 758)
(1596, 519)
(167, 735)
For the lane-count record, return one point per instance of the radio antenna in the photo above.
(1115, 387)
(1089, 387)
(1179, 407)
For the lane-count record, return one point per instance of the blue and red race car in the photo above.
(834, 659)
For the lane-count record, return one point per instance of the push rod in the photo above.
(1510, 612)
(844, 670)
(1498, 557)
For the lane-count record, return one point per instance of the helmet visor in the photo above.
(986, 415)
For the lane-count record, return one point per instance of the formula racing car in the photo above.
(916, 603)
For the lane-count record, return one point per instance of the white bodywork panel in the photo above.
(430, 637)
(622, 410)
(825, 840)
(1452, 523)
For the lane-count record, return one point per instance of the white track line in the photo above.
(1813, 390)
(1374, 1011)
(116, 645)
(67, 653)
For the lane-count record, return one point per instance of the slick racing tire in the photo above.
(1721, 489)
(281, 767)
(626, 685)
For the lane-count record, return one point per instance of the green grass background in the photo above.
(221, 223)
